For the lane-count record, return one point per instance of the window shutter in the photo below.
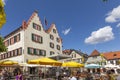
(35, 52)
(28, 50)
(32, 36)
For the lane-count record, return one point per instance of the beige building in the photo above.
(32, 41)
(96, 58)
(76, 55)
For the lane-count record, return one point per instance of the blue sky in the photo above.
(82, 24)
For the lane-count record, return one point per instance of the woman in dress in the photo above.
(19, 76)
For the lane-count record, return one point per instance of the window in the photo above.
(16, 52)
(19, 51)
(15, 39)
(35, 51)
(12, 40)
(43, 52)
(3, 56)
(104, 63)
(111, 61)
(30, 50)
(12, 53)
(8, 54)
(58, 47)
(18, 37)
(58, 40)
(117, 62)
(74, 55)
(51, 53)
(51, 37)
(36, 26)
(94, 57)
(6, 43)
(54, 30)
(51, 45)
(37, 38)
(0, 57)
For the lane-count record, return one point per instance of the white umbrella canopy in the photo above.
(59, 56)
(111, 66)
(92, 66)
(28, 65)
(33, 65)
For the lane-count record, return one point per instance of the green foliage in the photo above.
(3, 48)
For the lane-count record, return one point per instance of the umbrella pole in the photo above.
(44, 71)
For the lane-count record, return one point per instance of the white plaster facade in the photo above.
(76, 56)
(26, 32)
(96, 60)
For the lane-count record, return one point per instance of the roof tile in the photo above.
(95, 53)
(112, 55)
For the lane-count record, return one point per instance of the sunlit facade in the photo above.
(31, 41)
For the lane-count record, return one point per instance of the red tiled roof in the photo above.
(112, 55)
(68, 51)
(32, 16)
(95, 53)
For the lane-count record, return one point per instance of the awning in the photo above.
(59, 56)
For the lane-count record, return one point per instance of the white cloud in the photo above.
(118, 25)
(66, 31)
(102, 35)
(114, 15)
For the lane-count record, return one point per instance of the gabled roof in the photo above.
(95, 53)
(32, 16)
(112, 55)
(69, 51)
(23, 26)
(26, 23)
(50, 28)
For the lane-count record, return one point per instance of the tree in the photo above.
(2, 14)
(3, 48)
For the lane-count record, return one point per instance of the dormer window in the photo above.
(58, 40)
(74, 55)
(51, 37)
(58, 47)
(115, 55)
(51, 45)
(54, 30)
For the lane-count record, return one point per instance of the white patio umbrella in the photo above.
(111, 66)
(92, 66)
(29, 65)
